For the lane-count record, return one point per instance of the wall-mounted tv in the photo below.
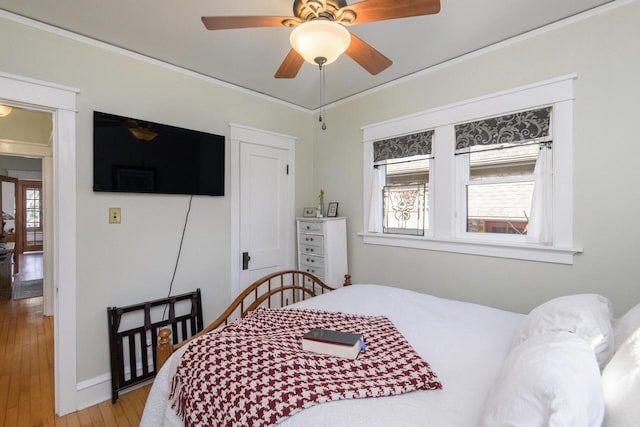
(137, 156)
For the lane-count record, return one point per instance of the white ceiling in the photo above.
(171, 31)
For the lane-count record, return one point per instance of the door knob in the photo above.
(245, 260)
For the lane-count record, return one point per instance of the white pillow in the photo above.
(626, 326)
(621, 385)
(589, 316)
(551, 379)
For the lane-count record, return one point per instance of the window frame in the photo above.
(444, 196)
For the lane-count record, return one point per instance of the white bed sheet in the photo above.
(464, 343)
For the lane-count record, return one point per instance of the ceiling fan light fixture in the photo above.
(320, 39)
(5, 110)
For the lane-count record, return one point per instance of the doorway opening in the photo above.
(60, 263)
(26, 137)
(21, 235)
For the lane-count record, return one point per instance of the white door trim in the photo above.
(61, 101)
(242, 134)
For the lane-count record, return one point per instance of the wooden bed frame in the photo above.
(283, 287)
(129, 368)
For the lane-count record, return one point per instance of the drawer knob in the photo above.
(308, 228)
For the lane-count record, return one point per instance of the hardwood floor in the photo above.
(30, 266)
(26, 375)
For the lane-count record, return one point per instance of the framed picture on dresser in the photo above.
(332, 210)
(309, 212)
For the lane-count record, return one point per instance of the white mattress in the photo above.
(465, 344)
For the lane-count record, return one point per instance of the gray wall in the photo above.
(603, 51)
(8, 163)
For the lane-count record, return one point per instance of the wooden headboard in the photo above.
(279, 289)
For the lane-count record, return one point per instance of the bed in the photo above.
(496, 368)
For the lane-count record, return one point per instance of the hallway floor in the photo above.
(30, 264)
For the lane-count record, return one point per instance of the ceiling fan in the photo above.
(331, 16)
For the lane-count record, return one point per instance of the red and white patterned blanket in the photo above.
(255, 373)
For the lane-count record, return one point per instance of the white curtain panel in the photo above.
(540, 228)
(375, 211)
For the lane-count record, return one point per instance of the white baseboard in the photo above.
(93, 391)
(98, 389)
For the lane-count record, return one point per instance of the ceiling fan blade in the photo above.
(367, 56)
(231, 22)
(290, 66)
(380, 10)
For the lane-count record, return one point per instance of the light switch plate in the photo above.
(114, 216)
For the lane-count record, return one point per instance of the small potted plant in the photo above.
(321, 205)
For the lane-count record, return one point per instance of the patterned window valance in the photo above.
(510, 129)
(417, 144)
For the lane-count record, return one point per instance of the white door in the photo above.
(266, 217)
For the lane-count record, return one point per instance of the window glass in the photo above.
(500, 188)
(33, 208)
(405, 197)
(404, 211)
(506, 160)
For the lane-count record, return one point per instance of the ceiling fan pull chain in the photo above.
(320, 70)
(322, 95)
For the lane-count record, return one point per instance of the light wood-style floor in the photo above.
(30, 266)
(26, 375)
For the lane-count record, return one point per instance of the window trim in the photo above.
(556, 92)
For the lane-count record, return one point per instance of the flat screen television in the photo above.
(137, 156)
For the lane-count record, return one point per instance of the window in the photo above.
(403, 209)
(405, 197)
(401, 175)
(497, 180)
(33, 209)
(497, 159)
(499, 190)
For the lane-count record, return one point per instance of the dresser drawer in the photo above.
(313, 227)
(317, 288)
(312, 250)
(318, 272)
(312, 240)
(311, 261)
(308, 281)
